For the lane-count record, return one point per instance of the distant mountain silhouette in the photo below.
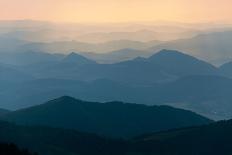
(214, 46)
(77, 59)
(182, 64)
(115, 56)
(205, 94)
(11, 74)
(115, 119)
(22, 58)
(165, 66)
(226, 69)
(104, 47)
(197, 85)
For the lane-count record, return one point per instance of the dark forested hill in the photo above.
(11, 149)
(210, 139)
(115, 119)
(53, 141)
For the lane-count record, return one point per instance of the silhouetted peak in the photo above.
(65, 100)
(169, 53)
(226, 64)
(77, 58)
(139, 58)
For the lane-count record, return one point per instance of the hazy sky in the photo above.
(117, 10)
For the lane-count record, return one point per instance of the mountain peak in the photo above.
(77, 58)
(181, 64)
(66, 99)
(170, 53)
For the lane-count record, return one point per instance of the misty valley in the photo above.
(132, 89)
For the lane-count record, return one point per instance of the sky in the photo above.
(117, 10)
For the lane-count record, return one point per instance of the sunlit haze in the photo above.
(117, 10)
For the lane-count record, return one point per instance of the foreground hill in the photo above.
(11, 149)
(49, 141)
(210, 139)
(111, 119)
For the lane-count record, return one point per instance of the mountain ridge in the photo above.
(115, 119)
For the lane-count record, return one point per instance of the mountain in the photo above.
(181, 64)
(115, 119)
(116, 45)
(151, 80)
(164, 66)
(11, 74)
(226, 69)
(115, 56)
(64, 47)
(22, 58)
(213, 139)
(132, 71)
(8, 44)
(102, 90)
(75, 58)
(214, 46)
(207, 95)
(141, 35)
(66, 67)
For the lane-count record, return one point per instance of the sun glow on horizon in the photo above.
(117, 10)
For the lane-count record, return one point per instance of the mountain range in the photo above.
(115, 89)
(166, 78)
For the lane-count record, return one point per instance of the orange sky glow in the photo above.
(117, 10)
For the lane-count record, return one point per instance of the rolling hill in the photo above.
(114, 119)
(214, 139)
